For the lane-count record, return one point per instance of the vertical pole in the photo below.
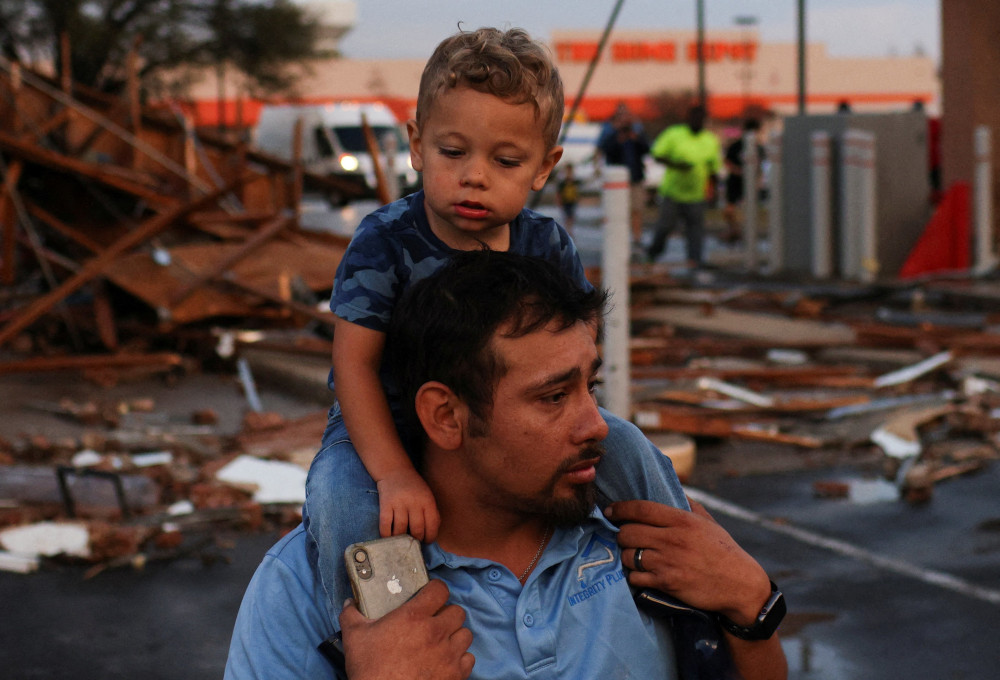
(775, 223)
(858, 242)
(850, 206)
(702, 90)
(870, 264)
(985, 243)
(750, 166)
(802, 56)
(615, 278)
(820, 195)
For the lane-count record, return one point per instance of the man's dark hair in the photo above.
(442, 328)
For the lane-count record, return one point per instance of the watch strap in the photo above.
(765, 624)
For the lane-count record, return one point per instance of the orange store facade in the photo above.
(638, 68)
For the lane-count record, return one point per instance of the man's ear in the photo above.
(442, 414)
(416, 145)
(542, 176)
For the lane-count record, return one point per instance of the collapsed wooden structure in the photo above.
(119, 222)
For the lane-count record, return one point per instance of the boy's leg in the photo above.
(633, 468)
(341, 508)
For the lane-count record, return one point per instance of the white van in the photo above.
(333, 141)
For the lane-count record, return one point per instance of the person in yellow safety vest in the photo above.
(692, 155)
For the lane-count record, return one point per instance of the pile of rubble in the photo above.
(124, 233)
(910, 368)
(137, 486)
(132, 244)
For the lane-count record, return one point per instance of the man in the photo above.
(624, 143)
(692, 156)
(735, 189)
(498, 363)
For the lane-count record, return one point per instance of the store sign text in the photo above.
(661, 51)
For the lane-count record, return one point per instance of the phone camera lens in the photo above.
(360, 556)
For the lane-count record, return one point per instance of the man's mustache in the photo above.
(588, 452)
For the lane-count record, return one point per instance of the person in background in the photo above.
(625, 144)
(692, 156)
(568, 195)
(735, 188)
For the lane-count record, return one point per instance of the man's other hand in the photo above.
(690, 556)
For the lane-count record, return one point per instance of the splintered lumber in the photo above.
(756, 403)
(804, 376)
(710, 423)
(106, 175)
(97, 266)
(78, 362)
(8, 221)
(250, 279)
(899, 436)
(256, 240)
(775, 330)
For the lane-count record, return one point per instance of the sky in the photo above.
(388, 29)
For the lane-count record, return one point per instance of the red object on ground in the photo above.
(944, 245)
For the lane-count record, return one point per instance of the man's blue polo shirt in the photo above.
(574, 618)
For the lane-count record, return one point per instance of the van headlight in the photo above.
(349, 163)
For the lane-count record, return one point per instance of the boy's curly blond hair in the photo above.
(507, 64)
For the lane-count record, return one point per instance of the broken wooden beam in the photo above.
(256, 240)
(166, 360)
(96, 266)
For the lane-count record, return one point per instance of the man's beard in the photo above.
(565, 512)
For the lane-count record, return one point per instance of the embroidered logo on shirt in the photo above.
(602, 552)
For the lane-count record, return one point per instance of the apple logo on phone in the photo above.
(393, 585)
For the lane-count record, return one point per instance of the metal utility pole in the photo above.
(702, 93)
(746, 23)
(802, 57)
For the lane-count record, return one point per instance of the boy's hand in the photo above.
(406, 504)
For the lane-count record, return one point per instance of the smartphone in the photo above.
(385, 573)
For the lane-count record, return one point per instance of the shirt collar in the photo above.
(564, 543)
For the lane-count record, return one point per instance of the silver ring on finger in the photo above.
(638, 559)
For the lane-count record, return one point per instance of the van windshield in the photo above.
(352, 139)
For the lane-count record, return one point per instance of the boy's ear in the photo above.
(551, 158)
(416, 145)
(442, 414)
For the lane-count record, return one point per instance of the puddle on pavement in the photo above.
(809, 659)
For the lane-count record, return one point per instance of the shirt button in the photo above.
(495, 574)
(529, 620)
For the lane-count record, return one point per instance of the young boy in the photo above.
(489, 110)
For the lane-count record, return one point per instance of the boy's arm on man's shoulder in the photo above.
(357, 355)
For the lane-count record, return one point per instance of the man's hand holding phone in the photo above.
(424, 637)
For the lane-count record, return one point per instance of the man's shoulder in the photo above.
(283, 617)
(290, 555)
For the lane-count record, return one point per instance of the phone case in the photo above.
(385, 573)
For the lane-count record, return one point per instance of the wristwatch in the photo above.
(766, 622)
